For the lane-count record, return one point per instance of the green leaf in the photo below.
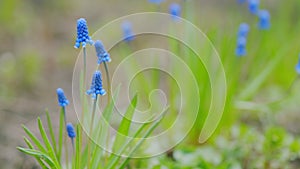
(78, 147)
(52, 135)
(96, 157)
(40, 155)
(37, 159)
(35, 140)
(114, 158)
(47, 143)
(60, 135)
(256, 83)
(109, 108)
(107, 113)
(101, 132)
(125, 124)
(140, 142)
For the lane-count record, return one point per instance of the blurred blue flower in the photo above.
(82, 34)
(62, 100)
(253, 6)
(96, 86)
(127, 31)
(241, 1)
(102, 54)
(70, 130)
(241, 46)
(243, 30)
(264, 20)
(298, 66)
(156, 1)
(175, 11)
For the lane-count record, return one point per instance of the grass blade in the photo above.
(114, 158)
(34, 140)
(107, 113)
(52, 136)
(47, 143)
(260, 79)
(125, 124)
(37, 159)
(78, 147)
(149, 131)
(40, 155)
(96, 158)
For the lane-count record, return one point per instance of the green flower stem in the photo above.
(91, 131)
(108, 82)
(65, 136)
(65, 117)
(83, 84)
(62, 123)
(72, 141)
(66, 150)
(83, 99)
(84, 64)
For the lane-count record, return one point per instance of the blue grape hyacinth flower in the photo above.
(298, 66)
(241, 46)
(175, 11)
(96, 85)
(70, 130)
(156, 1)
(62, 100)
(264, 20)
(127, 31)
(253, 6)
(82, 34)
(243, 30)
(102, 54)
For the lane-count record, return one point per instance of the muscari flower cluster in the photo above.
(253, 6)
(82, 34)
(242, 39)
(102, 54)
(127, 31)
(70, 130)
(96, 85)
(175, 11)
(264, 20)
(298, 66)
(263, 24)
(263, 15)
(62, 100)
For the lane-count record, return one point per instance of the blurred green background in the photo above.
(37, 56)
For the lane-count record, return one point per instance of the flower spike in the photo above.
(82, 34)
(96, 86)
(264, 20)
(241, 46)
(127, 31)
(175, 11)
(243, 30)
(62, 100)
(70, 130)
(253, 6)
(102, 54)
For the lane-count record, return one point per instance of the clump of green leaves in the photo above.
(48, 151)
(243, 147)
